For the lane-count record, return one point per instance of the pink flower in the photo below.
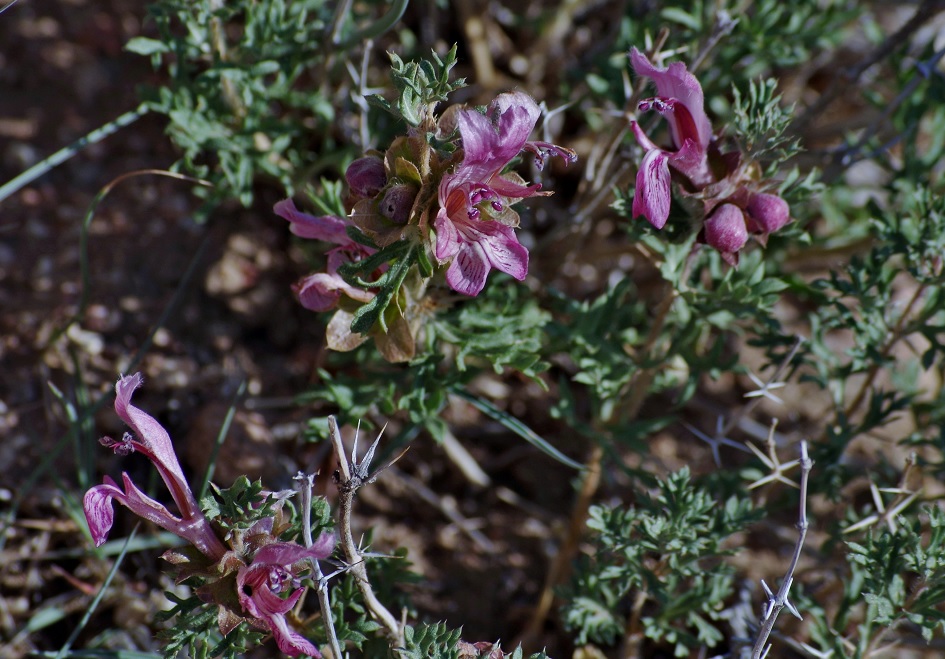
(726, 183)
(767, 213)
(473, 200)
(321, 291)
(681, 103)
(274, 569)
(152, 441)
(726, 231)
(366, 176)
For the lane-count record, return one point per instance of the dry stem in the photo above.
(305, 484)
(353, 475)
(777, 602)
(846, 79)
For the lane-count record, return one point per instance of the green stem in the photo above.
(379, 27)
(64, 650)
(64, 154)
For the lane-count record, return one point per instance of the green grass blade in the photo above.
(98, 597)
(516, 426)
(221, 436)
(64, 154)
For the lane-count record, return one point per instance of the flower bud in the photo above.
(397, 202)
(366, 176)
(725, 229)
(767, 213)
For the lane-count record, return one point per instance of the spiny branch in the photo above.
(779, 601)
(353, 475)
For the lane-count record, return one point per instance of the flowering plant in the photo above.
(734, 203)
(435, 207)
(246, 574)
(631, 354)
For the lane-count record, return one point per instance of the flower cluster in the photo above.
(735, 203)
(245, 576)
(435, 207)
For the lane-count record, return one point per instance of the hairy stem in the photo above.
(633, 635)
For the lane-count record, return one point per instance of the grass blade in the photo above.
(517, 427)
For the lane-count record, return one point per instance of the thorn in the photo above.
(768, 592)
(793, 609)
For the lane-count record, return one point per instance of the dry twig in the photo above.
(305, 484)
(777, 602)
(353, 475)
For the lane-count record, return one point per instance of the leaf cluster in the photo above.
(197, 633)
(896, 580)
(761, 123)
(596, 335)
(240, 505)
(430, 641)
(502, 327)
(420, 85)
(663, 558)
(235, 91)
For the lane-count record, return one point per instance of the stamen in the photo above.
(124, 446)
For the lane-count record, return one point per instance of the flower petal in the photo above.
(516, 114)
(256, 598)
(467, 273)
(290, 642)
(326, 227)
(502, 248)
(512, 190)
(285, 554)
(676, 83)
(99, 513)
(447, 237)
(692, 162)
(490, 141)
(155, 443)
(321, 291)
(196, 530)
(652, 198)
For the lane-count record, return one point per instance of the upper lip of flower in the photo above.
(681, 102)
(153, 441)
(679, 99)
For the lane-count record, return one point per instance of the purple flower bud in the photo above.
(725, 229)
(767, 213)
(397, 202)
(366, 176)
